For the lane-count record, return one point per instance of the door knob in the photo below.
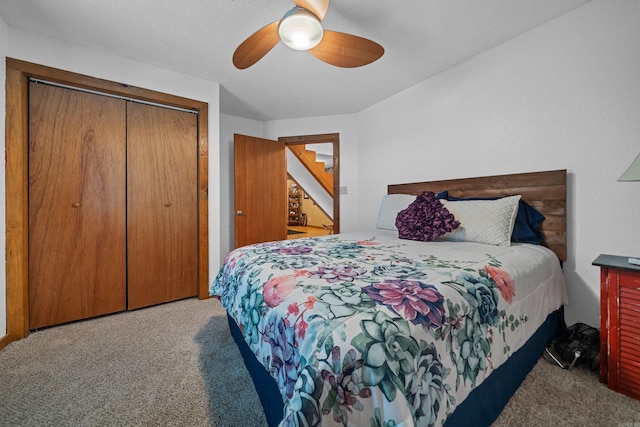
(76, 204)
(167, 204)
(240, 213)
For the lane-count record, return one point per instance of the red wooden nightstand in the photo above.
(619, 324)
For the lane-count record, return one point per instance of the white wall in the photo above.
(4, 46)
(35, 48)
(565, 95)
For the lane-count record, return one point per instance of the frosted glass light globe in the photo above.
(300, 29)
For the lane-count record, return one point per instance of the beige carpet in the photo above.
(177, 365)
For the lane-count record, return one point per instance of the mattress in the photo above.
(367, 329)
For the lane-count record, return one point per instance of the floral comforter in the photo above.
(364, 329)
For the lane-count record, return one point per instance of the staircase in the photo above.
(315, 168)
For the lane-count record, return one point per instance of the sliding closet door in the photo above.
(161, 204)
(76, 205)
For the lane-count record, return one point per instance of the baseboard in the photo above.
(4, 341)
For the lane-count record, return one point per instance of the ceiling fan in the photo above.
(300, 29)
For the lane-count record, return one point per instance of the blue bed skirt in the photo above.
(481, 408)
(266, 387)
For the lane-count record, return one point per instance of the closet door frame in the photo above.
(18, 74)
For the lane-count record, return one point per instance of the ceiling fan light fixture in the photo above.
(300, 29)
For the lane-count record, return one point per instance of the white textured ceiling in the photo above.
(198, 37)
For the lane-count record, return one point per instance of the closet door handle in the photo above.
(167, 204)
(240, 213)
(76, 204)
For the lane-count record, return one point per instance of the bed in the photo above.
(366, 329)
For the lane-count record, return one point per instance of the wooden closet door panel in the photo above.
(103, 205)
(145, 206)
(76, 205)
(181, 226)
(55, 157)
(162, 205)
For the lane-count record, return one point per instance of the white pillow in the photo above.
(389, 208)
(483, 221)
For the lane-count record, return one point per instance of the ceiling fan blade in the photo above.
(317, 7)
(256, 46)
(346, 50)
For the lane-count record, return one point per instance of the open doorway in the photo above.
(306, 218)
(325, 171)
(260, 189)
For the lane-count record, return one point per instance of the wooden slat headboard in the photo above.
(546, 191)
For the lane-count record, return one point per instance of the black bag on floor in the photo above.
(579, 340)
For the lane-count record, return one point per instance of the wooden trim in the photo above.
(56, 75)
(4, 341)
(333, 138)
(546, 191)
(203, 201)
(17, 142)
(310, 139)
(16, 208)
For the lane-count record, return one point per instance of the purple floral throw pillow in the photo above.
(425, 219)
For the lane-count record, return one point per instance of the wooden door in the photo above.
(260, 190)
(162, 228)
(76, 205)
